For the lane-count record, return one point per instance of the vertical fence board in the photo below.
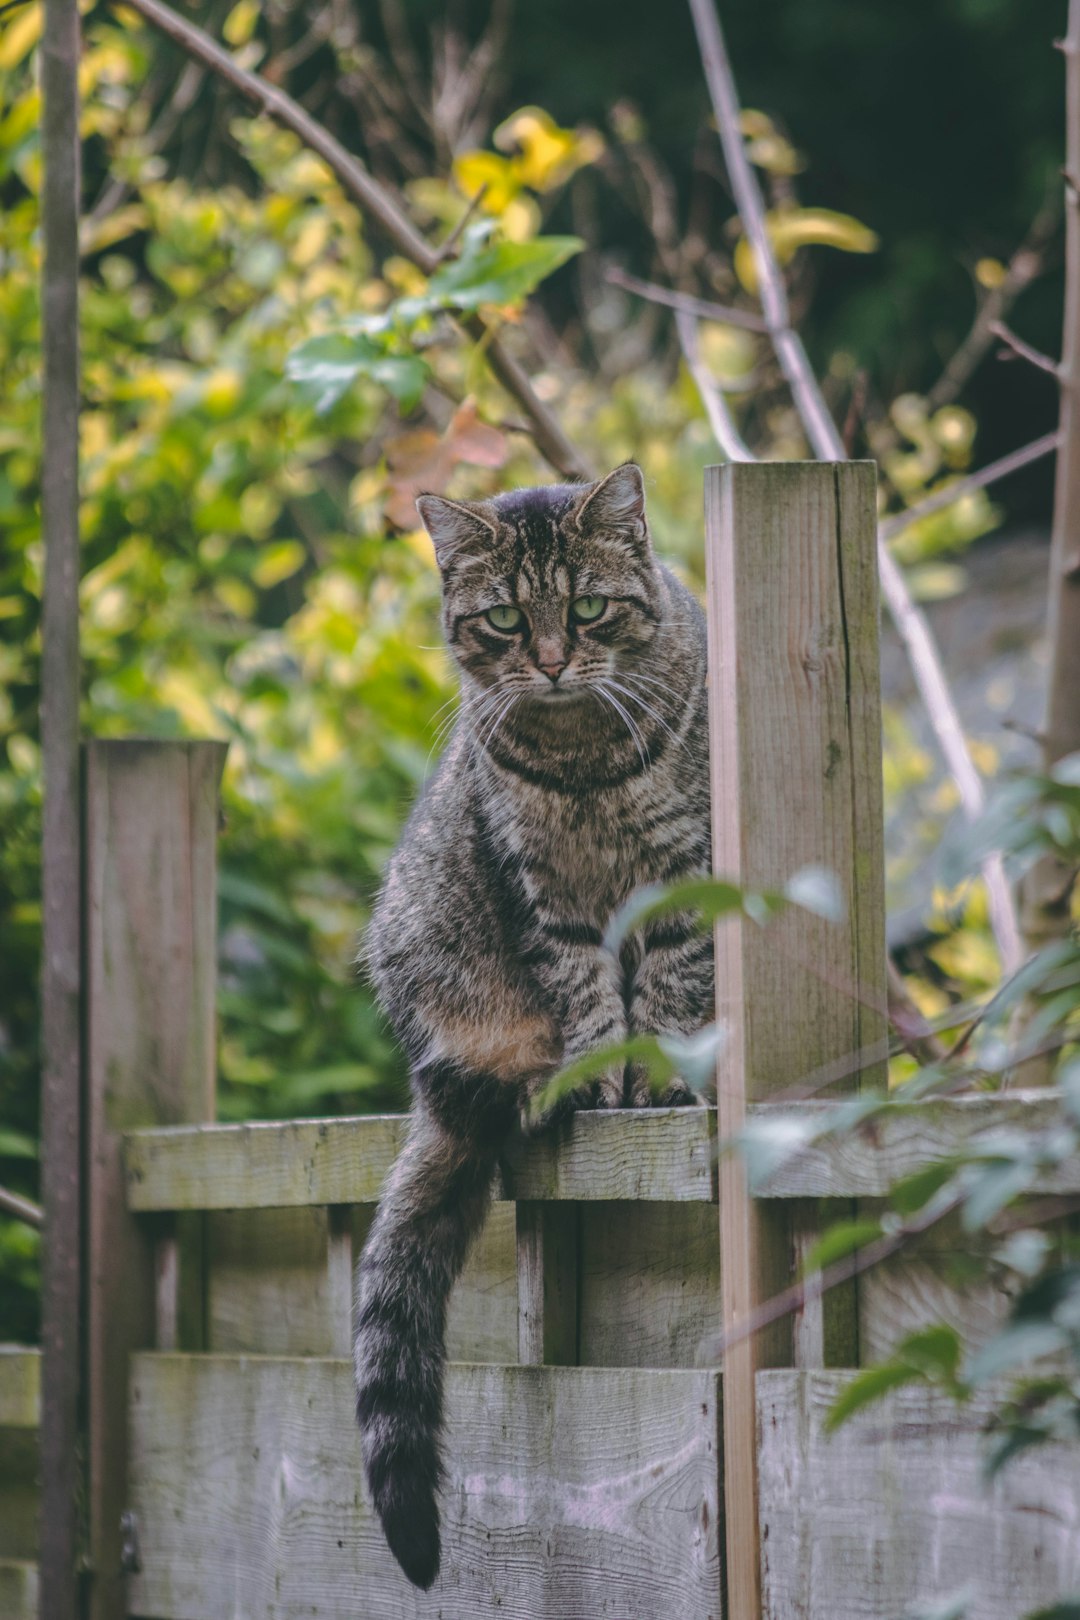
(151, 831)
(795, 730)
(61, 988)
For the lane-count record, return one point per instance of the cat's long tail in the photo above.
(434, 1202)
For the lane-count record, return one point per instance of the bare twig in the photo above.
(449, 243)
(1022, 350)
(914, 1032)
(910, 622)
(721, 421)
(812, 1288)
(990, 474)
(376, 201)
(704, 308)
(1023, 268)
(23, 1209)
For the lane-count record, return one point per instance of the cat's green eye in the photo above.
(505, 617)
(587, 608)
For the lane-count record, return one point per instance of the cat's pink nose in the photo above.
(553, 669)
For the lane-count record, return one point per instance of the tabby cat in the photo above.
(577, 771)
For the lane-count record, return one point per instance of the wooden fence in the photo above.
(600, 1459)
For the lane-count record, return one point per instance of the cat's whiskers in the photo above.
(630, 692)
(635, 733)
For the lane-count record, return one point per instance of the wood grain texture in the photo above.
(650, 1284)
(865, 1163)
(661, 1154)
(20, 1462)
(570, 1493)
(548, 1276)
(891, 1512)
(276, 1284)
(151, 834)
(20, 1387)
(795, 745)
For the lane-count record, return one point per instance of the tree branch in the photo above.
(705, 308)
(376, 202)
(22, 1209)
(721, 421)
(1023, 268)
(1022, 350)
(990, 474)
(910, 622)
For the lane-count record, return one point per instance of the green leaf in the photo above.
(769, 1142)
(325, 368)
(1019, 1344)
(709, 897)
(15, 1145)
(504, 273)
(867, 1387)
(840, 1240)
(816, 889)
(914, 1192)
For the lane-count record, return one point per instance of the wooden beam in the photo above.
(307, 1163)
(664, 1155)
(795, 733)
(892, 1513)
(151, 833)
(569, 1492)
(548, 1250)
(61, 986)
(865, 1163)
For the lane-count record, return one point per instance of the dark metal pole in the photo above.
(61, 875)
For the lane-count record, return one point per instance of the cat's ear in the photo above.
(457, 528)
(616, 503)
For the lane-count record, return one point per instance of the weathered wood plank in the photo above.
(151, 833)
(548, 1260)
(570, 1492)
(19, 1587)
(650, 1284)
(277, 1284)
(865, 1163)
(892, 1513)
(20, 1387)
(795, 745)
(661, 1154)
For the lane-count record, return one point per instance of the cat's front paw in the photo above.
(640, 1093)
(605, 1091)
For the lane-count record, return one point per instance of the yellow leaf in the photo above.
(22, 117)
(767, 146)
(20, 37)
(990, 273)
(793, 228)
(548, 154)
(221, 390)
(490, 173)
(95, 235)
(240, 23)
(277, 562)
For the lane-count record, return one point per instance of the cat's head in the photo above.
(547, 590)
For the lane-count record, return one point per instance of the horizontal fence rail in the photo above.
(657, 1156)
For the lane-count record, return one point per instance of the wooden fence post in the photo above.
(151, 833)
(795, 735)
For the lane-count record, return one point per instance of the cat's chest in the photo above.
(585, 856)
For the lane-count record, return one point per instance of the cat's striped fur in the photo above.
(559, 795)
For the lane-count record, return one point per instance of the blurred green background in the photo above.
(251, 566)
